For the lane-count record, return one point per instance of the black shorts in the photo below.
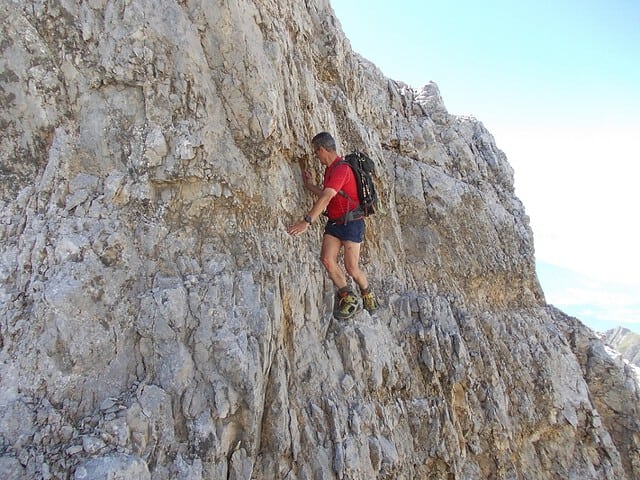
(351, 232)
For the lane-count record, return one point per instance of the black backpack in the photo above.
(363, 168)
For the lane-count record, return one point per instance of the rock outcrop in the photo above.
(158, 322)
(624, 341)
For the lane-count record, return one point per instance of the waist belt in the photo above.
(350, 216)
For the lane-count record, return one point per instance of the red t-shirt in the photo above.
(339, 176)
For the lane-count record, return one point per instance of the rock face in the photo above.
(624, 341)
(158, 322)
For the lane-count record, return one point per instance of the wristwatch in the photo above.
(308, 219)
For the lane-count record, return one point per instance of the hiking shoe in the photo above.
(346, 306)
(369, 301)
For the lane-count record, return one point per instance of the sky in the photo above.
(557, 83)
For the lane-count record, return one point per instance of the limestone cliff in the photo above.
(624, 341)
(158, 322)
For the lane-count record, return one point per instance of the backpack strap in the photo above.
(342, 192)
(346, 195)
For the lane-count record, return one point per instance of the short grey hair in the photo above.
(325, 140)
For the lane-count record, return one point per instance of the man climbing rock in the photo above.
(344, 228)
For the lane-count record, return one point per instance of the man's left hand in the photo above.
(298, 228)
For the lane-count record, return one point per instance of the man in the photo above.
(344, 228)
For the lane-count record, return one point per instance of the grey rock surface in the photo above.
(156, 321)
(624, 341)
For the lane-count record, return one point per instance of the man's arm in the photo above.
(321, 203)
(318, 207)
(307, 181)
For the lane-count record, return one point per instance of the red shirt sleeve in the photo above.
(338, 176)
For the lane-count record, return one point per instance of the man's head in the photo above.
(324, 146)
(324, 140)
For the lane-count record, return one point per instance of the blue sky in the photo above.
(558, 85)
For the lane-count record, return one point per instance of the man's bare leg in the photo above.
(329, 257)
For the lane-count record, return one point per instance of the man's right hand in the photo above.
(306, 177)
